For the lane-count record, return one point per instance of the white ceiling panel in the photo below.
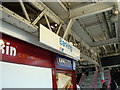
(89, 20)
(81, 33)
(97, 33)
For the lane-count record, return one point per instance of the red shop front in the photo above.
(25, 65)
(64, 72)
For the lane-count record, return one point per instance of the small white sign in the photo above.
(52, 40)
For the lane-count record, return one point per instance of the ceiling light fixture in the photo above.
(116, 12)
(52, 26)
(56, 25)
(71, 43)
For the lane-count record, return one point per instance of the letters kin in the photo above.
(7, 49)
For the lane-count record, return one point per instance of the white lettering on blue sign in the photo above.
(64, 62)
(65, 44)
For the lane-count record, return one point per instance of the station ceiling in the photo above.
(93, 24)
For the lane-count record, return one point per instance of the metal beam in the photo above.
(83, 27)
(112, 54)
(105, 49)
(86, 66)
(112, 66)
(68, 27)
(92, 25)
(17, 17)
(118, 31)
(80, 39)
(24, 10)
(86, 58)
(104, 42)
(41, 6)
(47, 22)
(62, 5)
(59, 29)
(119, 5)
(39, 17)
(96, 68)
(91, 9)
(106, 16)
(103, 26)
(115, 47)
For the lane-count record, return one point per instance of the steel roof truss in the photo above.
(11, 13)
(90, 9)
(62, 5)
(24, 10)
(38, 17)
(59, 29)
(68, 28)
(103, 42)
(48, 23)
(49, 13)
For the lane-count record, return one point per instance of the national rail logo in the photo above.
(65, 45)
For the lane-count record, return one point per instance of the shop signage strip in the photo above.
(17, 51)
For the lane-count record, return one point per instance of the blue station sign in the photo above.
(64, 62)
